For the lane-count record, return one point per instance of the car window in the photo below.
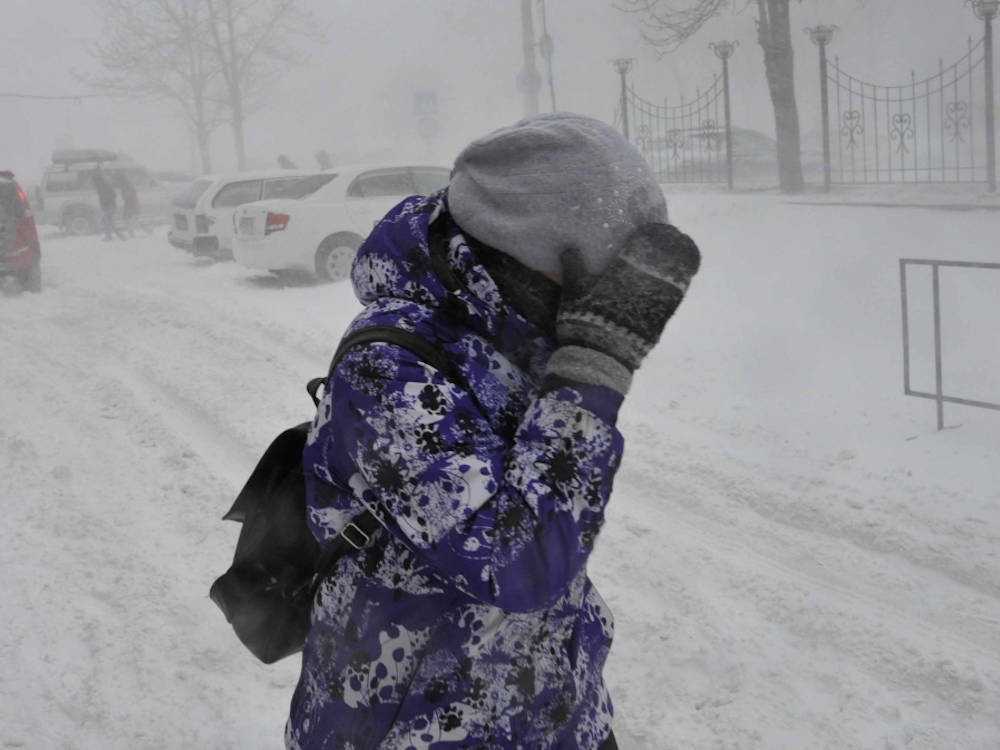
(237, 193)
(384, 183)
(429, 181)
(189, 196)
(66, 182)
(296, 188)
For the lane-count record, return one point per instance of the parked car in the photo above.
(320, 233)
(66, 198)
(20, 253)
(202, 214)
(697, 155)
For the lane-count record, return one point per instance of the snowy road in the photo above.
(794, 557)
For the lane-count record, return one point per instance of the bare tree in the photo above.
(252, 41)
(158, 49)
(667, 24)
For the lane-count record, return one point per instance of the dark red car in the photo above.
(20, 253)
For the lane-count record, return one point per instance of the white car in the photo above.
(201, 218)
(320, 233)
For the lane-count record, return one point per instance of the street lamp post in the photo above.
(545, 49)
(623, 65)
(821, 36)
(724, 50)
(987, 10)
(528, 81)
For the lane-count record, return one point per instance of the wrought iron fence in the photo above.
(938, 394)
(919, 131)
(684, 142)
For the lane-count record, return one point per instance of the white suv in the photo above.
(201, 216)
(66, 197)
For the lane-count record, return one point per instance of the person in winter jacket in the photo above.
(106, 199)
(130, 202)
(545, 271)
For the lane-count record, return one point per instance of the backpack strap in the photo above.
(354, 536)
(413, 342)
(359, 530)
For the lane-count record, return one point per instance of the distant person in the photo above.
(324, 160)
(130, 202)
(285, 163)
(106, 198)
(544, 273)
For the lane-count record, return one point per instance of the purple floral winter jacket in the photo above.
(469, 622)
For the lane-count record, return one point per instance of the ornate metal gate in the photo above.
(684, 142)
(920, 131)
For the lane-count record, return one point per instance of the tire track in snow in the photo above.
(193, 327)
(683, 490)
(788, 500)
(111, 573)
(214, 446)
(119, 383)
(211, 410)
(844, 502)
(853, 616)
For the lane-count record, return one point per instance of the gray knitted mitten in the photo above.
(607, 323)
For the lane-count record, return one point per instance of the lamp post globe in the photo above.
(622, 64)
(724, 49)
(985, 10)
(822, 35)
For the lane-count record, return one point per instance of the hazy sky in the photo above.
(354, 94)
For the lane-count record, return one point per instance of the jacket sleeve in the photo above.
(510, 521)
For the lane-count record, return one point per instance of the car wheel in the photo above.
(31, 280)
(80, 223)
(334, 258)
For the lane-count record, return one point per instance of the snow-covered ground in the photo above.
(796, 558)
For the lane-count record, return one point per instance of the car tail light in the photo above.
(24, 201)
(275, 223)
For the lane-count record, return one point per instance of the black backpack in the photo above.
(268, 591)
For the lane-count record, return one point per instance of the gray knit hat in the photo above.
(551, 182)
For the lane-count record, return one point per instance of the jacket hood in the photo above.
(418, 255)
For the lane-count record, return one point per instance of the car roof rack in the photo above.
(67, 156)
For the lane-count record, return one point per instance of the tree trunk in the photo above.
(241, 154)
(204, 149)
(775, 37)
(198, 81)
(235, 92)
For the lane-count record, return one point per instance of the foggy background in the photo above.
(353, 94)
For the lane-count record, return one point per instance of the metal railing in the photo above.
(938, 394)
